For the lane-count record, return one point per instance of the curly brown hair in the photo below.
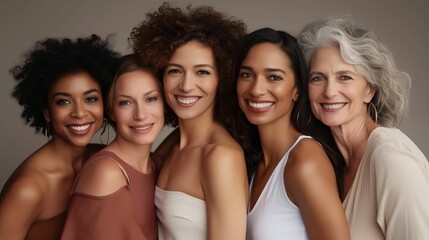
(157, 38)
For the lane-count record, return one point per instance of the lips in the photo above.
(187, 101)
(333, 106)
(142, 128)
(259, 106)
(80, 129)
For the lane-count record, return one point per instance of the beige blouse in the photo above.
(389, 198)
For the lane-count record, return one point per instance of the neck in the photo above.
(70, 155)
(352, 139)
(137, 156)
(276, 139)
(197, 131)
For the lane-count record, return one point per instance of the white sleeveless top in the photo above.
(274, 216)
(180, 216)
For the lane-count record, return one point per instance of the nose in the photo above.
(79, 110)
(188, 83)
(140, 112)
(258, 87)
(331, 89)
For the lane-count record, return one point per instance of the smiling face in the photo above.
(191, 80)
(137, 107)
(75, 108)
(337, 93)
(266, 85)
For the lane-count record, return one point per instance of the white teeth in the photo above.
(187, 100)
(260, 105)
(80, 128)
(334, 106)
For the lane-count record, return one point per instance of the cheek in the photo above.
(120, 115)
(242, 88)
(98, 111)
(170, 83)
(313, 92)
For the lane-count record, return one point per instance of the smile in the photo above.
(80, 128)
(260, 105)
(187, 100)
(142, 128)
(333, 106)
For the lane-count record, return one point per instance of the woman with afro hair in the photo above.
(202, 188)
(61, 85)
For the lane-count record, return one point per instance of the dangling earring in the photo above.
(374, 115)
(47, 130)
(105, 125)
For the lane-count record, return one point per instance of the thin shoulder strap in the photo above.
(298, 140)
(103, 154)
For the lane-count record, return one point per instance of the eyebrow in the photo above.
(266, 69)
(195, 66)
(144, 94)
(65, 94)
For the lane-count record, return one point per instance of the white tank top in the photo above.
(180, 216)
(274, 216)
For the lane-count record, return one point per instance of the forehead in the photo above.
(75, 83)
(193, 52)
(268, 53)
(329, 58)
(138, 81)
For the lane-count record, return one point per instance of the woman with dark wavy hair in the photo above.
(61, 86)
(202, 189)
(358, 92)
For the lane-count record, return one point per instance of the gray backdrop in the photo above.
(402, 25)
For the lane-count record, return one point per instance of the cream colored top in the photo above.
(389, 198)
(180, 216)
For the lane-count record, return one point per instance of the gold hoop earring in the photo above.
(47, 131)
(105, 125)
(374, 116)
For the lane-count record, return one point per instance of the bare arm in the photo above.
(311, 185)
(226, 193)
(20, 205)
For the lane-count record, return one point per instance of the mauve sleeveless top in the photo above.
(128, 213)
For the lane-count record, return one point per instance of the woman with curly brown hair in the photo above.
(61, 85)
(202, 188)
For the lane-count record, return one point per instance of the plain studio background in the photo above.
(401, 25)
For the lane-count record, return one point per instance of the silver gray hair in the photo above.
(371, 59)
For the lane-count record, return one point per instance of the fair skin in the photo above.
(40, 187)
(339, 97)
(137, 111)
(267, 92)
(207, 164)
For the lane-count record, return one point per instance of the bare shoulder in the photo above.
(101, 177)
(308, 168)
(308, 156)
(24, 194)
(222, 157)
(223, 165)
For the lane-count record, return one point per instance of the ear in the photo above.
(295, 94)
(369, 95)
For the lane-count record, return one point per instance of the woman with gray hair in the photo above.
(355, 89)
